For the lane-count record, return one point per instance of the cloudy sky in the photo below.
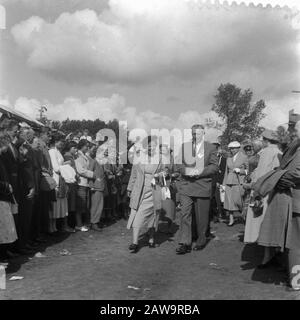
(155, 63)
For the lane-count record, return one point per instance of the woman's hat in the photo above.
(270, 135)
(234, 144)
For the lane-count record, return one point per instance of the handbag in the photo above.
(47, 183)
(165, 191)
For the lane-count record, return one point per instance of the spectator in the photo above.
(27, 191)
(69, 157)
(8, 232)
(47, 193)
(86, 135)
(59, 208)
(83, 192)
(97, 185)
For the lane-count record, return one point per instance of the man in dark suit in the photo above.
(216, 210)
(198, 163)
(12, 165)
(27, 189)
(40, 146)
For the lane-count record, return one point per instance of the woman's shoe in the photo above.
(230, 224)
(134, 248)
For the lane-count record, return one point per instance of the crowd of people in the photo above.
(52, 183)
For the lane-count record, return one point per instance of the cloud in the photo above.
(277, 111)
(115, 107)
(107, 109)
(145, 40)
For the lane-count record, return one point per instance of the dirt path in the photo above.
(100, 267)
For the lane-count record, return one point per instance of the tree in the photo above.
(56, 125)
(242, 119)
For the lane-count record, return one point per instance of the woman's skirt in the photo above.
(82, 199)
(59, 208)
(276, 228)
(8, 232)
(234, 198)
(145, 217)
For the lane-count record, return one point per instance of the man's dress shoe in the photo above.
(183, 249)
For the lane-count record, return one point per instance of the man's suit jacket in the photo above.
(27, 174)
(43, 156)
(222, 169)
(200, 187)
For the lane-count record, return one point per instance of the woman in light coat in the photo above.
(269, 160)
(145, 193)
(236, 170)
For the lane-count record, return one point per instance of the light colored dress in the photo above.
(59, 208)
(234, 191)
(145, 216)
(269, 160)
(8, 232)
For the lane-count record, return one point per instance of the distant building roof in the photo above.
(12, 113)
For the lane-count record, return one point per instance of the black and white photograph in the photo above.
(149, 151)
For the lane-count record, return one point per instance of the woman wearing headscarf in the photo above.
(236, 170)
(145, 192)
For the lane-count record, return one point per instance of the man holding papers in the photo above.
(197, 162)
